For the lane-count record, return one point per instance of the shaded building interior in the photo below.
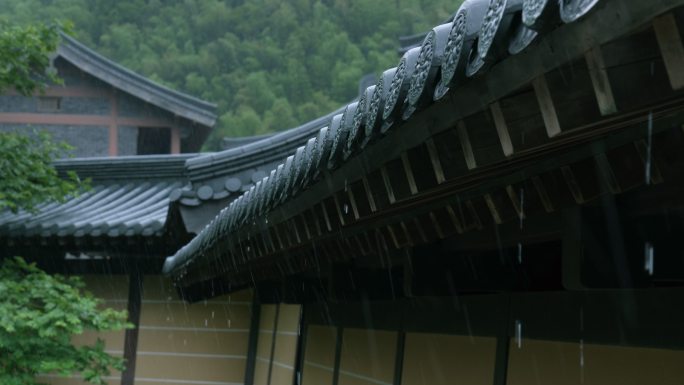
(503, 207)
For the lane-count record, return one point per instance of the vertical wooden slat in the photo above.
(458, 225)
(515, 201)
(599, 79)
(369, 194)
(642, 149)
(434, 159)
(388, 184)
(670, 42)
(502, 129)
(407, 234)
(338, 209)
(543, 194)
(409, 173)
(435, 224)
(492, 209)
(467, 147)
(352, 202)
(574, 187)
(607, 174)
(325, 216)
(548, 110)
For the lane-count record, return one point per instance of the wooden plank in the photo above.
(409, 173)
(434, 159)
(671, 47)
(435, 224)
(600, 81)
(325, 216)
(369, 194)
(421, 232)
(407, 234)
(572, 184)
(458, 225)
(492, 209)
(501, 128)
(394, 237)
(548, 110)
(642, 149)
(467, 147)
(338, 208)
(607, 175)
(543, 194)
(388, 184)
(517, 201)
(352, 202)
(476, 217)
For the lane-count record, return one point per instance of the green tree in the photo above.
(40, 313)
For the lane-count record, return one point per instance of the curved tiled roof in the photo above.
(481, 33)
(180, 104)
(129, 197)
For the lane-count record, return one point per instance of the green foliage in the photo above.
(27, 177)
(248, 55)
(39, 315)
(24, 56)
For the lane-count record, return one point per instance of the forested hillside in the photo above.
(268, 64)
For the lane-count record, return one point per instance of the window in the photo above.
(49, 104)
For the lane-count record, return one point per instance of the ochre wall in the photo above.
(367, 357)
(278, 356)
(436, 359)
(319, 355)
(205, 342)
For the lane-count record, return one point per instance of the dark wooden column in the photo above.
(135, 286)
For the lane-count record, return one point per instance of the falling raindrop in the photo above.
(185, 342)
(519, 253)
(522, 207)
(648, 148)
(648, 258)
(212, 314)
(346, 208)
(206, 322)
(581, 360)
(518, 333)
(229, 322)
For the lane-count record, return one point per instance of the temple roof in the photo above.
(178, 103)
(129, 197)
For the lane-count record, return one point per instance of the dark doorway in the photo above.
(154, 140)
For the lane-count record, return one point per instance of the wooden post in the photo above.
(113, 127)
(175, 140)
(502, 129)
(599, 79)
(671, 48)
(548, 110)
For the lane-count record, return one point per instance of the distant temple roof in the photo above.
(180, 104)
